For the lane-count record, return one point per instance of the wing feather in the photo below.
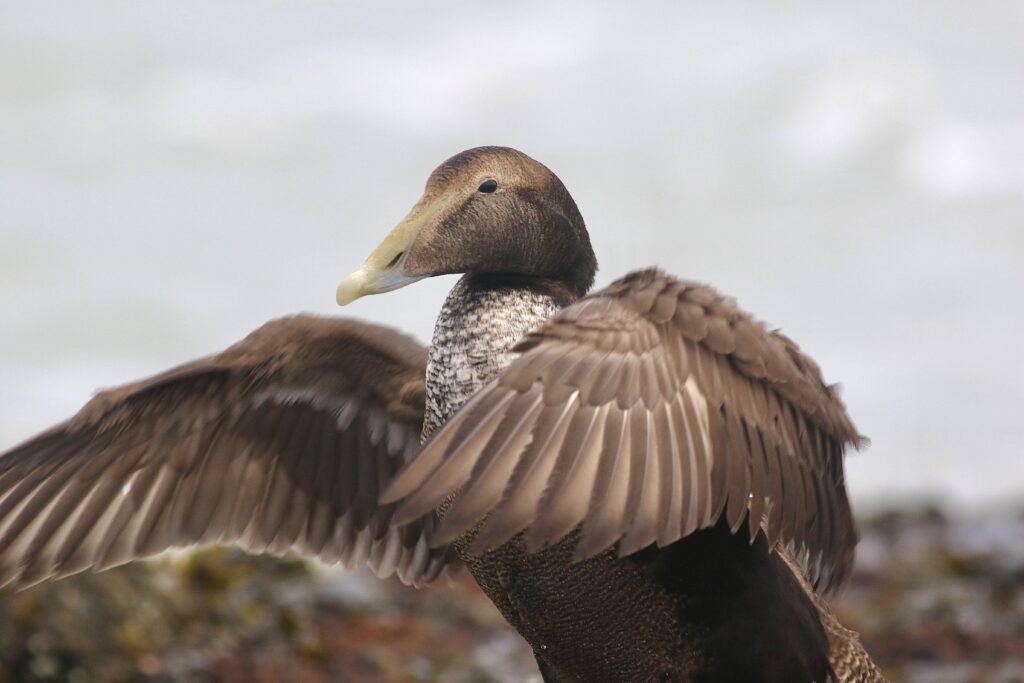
(604, 521)
(645, 485)
(493, 470)
(571, 484)
(518, 506)
(759, 478)
(665, 408)
(282, 442)
(699, 441)
(675, 506)
(739, 480)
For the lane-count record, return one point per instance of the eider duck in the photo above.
(645, 480)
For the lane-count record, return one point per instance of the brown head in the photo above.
(489, 210)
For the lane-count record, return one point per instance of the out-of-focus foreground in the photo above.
(936, 601)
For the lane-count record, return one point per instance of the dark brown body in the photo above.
(676, 614)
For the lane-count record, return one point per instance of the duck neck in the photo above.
(481, 321)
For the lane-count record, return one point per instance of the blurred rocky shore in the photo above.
(937, 598)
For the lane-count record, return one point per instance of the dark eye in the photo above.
(488, 186)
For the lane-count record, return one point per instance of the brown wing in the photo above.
(642, 413)
(281, 442)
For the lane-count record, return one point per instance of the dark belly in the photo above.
(711, 607)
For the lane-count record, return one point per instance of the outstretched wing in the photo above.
(640, 414)
(282, 442)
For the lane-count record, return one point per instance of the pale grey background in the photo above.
(173, 174)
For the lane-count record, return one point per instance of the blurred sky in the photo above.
(173, 174)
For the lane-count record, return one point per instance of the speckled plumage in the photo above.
(473, 339)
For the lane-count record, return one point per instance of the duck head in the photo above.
(489, 210)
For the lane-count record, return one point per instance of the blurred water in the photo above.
(174, 174)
